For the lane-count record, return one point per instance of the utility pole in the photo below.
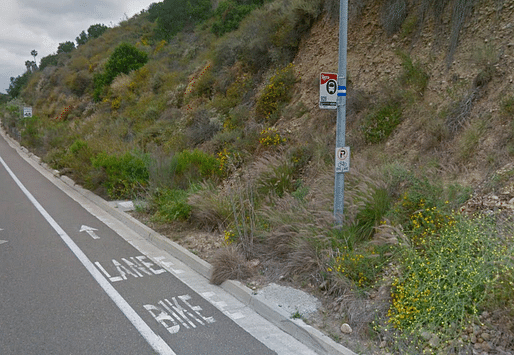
(342, 157)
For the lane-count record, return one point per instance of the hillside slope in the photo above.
(220, 139)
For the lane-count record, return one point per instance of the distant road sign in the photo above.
(27, 112)
(328, 91)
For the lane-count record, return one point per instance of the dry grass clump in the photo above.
(229, 264)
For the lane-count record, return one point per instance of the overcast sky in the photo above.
(43, 24)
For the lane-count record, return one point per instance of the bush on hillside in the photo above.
(229, 15)
(124, 59)
(125, 176)
(172, 16)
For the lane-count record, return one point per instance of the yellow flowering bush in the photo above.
(271, 137)
(228, 161)
(276, 92)
(446, 281)
(361, 267)
(229, 236)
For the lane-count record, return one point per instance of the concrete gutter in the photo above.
(304, 333)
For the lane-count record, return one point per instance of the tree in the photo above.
(34, 54)
(48, 61)
(17, 85)
(124, 59)
(65, 47)
(31, 66)
(96, 31)
(82, 38)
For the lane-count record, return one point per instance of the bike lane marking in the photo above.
(154, 340)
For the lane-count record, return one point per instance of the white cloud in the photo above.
(43, 24)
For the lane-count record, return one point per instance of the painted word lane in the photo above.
(135, 267)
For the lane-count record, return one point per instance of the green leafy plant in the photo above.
(124, 59)
(381, 122)
(413, 74)
(171, 204)
(125, 175)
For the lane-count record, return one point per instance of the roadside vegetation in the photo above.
(190, 115)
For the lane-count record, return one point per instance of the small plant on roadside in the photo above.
(362, 267)
(124, 176)
(413, 74)
(171, 204)
(229, 236)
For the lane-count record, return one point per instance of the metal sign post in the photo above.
(342, 152)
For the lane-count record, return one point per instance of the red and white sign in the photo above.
(328, 91)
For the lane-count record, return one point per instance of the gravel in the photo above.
(291, 300)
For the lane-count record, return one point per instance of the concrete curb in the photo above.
(304, 333)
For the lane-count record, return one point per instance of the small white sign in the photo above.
(27, 112)
(328, 91)
(342, 159)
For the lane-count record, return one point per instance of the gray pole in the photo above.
(341, 109)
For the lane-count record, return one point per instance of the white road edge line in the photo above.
(155, 341)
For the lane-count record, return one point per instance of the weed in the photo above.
(381, 122)
(468, 142)
(507, 106)
(413, 74)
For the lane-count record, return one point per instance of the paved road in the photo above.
(70, 283)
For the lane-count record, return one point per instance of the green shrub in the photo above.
(382, 121)
(171, 205)
(124, 59)
(195, 165)
(31, 136)
(229, 15)
(172, 16)
(362, 267)
(277, 178)
(125, 175)
(372, 213)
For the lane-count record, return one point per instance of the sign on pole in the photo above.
(342, 160)
(328, 91)
(342, 152)
(27, 111)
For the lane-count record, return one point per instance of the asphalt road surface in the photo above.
(71, 283)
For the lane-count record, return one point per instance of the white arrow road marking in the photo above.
(90, 231)
(3, 241)
(155, 341)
